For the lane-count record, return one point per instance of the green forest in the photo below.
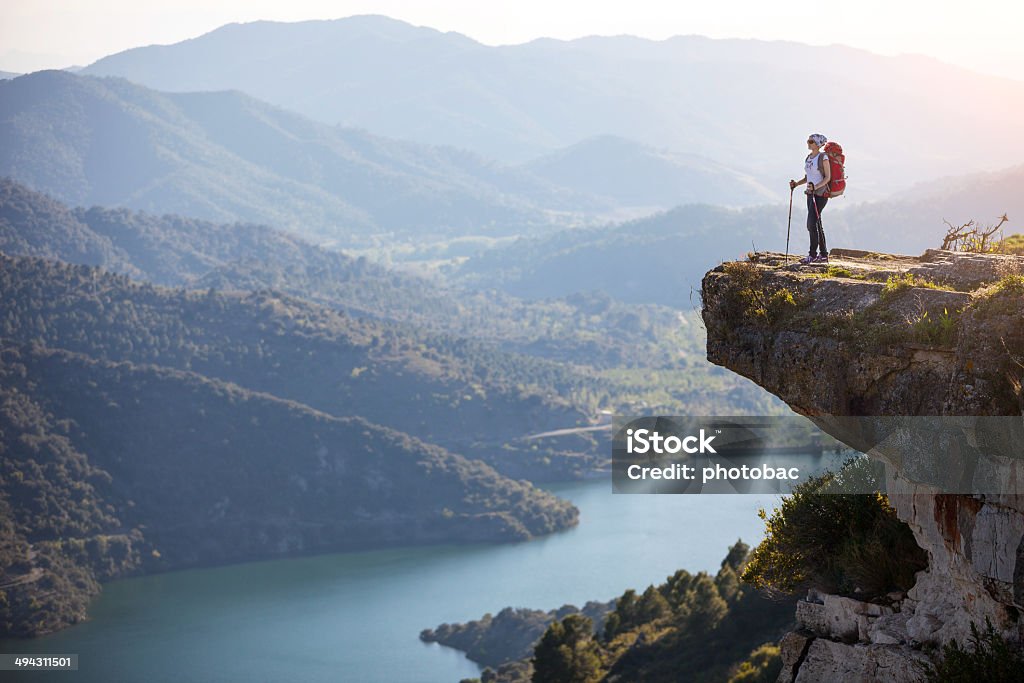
(164, 377)
(693, 627)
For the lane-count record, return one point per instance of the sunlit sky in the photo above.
(979, 34)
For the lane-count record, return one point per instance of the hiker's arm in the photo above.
(794, 183)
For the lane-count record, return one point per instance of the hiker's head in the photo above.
(815, 141)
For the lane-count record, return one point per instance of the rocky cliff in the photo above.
(879, 335)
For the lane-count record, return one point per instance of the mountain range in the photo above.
(658, 259)
(661, 258)
(225, 156)
(636, 175)
(731, 101)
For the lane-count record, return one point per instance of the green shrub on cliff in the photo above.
(762, 666)
(1001, 298)
(839, 271)
(938, 330)
(751, 297)
(1013, 244)
(988, 657)
(895, 284)
(836, 542)
(880, 325)
(1011, 285)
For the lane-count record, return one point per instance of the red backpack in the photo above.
(837, 168)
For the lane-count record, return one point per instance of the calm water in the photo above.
(357, 616)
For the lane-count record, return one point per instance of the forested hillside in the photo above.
(178, 251)
(697, 628)
(290, 348)
(648, 353)
(659, 259)
(110, 468)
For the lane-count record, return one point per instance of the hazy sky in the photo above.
(981, 34)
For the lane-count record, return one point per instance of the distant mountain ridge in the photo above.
(638, 175)
(914, 220)
(661, 258)
(225, 156)
(657, 259)
(743, 103)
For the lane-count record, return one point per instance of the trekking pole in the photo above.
(789, 223)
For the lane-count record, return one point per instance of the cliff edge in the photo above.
(886, 335)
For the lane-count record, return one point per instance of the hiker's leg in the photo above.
(822, 201)
(812, 224)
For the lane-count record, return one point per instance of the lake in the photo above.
(357, 616)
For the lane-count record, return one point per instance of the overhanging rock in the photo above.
(881, 335)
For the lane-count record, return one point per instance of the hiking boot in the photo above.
(822, 259)
(807, 260)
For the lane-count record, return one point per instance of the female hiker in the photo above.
(817, 175)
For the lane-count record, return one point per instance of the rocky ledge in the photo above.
(873, 334)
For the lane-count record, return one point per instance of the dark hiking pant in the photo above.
(814, 227)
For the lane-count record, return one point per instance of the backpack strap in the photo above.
(821, 169)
